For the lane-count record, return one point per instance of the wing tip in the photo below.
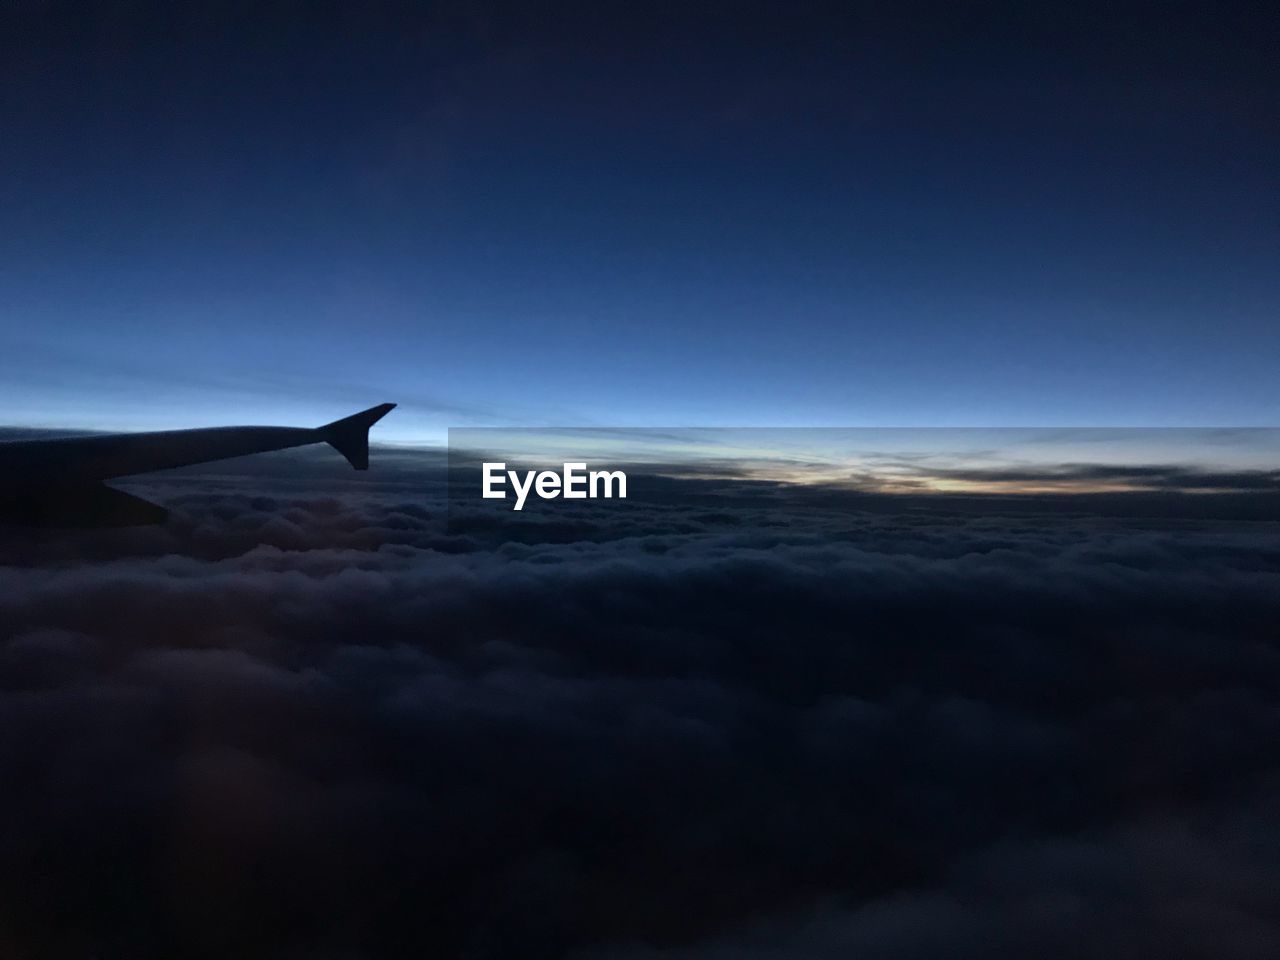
(350, 435)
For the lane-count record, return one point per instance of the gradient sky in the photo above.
(788, 214)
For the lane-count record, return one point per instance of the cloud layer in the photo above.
(720, 722)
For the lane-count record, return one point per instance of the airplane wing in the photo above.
(60, 482)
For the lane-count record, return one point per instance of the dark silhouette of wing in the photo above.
(88, 505)
(59, 482)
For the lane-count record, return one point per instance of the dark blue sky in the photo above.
(789, 214)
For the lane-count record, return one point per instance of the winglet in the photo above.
(350, 435)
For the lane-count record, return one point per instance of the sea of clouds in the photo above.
(311, 718)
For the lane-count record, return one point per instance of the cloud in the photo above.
(1085, 476)
(1166, 886)
(313, 719)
